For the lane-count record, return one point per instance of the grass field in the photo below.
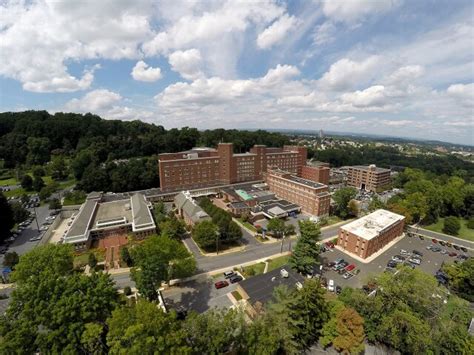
(464, 232)
(47, 180)
(7, 182)
(247, 225)
(260, 267)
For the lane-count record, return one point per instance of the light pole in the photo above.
(36, 219)
(217, 243)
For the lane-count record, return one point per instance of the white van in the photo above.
(331, 286)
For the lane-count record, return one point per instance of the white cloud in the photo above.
(464, 92)
(94, 101)
(350, 11)
(276, 32)
(373, 96)
(45, 35)
(280, 73)
(187, 63)
(347, 73)
(143, 72)
(324, 33)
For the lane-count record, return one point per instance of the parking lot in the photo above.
(199, 295)
(431, 261)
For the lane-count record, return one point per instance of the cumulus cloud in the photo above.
(276, 32)
(464, 92)
(324, 33)
(187, 63)
(46, 35)
(143, 72)
(94, 101)
(351, 11)
(346, 73)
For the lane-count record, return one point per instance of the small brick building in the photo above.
(367, 235)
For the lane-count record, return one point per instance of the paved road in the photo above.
(441, 236)
(253, 251)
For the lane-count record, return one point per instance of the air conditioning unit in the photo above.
(284, 273)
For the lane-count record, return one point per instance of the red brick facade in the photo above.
(314, 198)
(370, 178)
(316, 173)
(202, 167)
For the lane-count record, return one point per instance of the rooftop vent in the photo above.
(284, 273)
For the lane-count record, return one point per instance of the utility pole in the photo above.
(217, 243)
(36, 219)
(281, 246)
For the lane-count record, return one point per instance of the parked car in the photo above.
(421, 237)
(434, 240)
(331, 286)
(324, 282)
(463, 249)
(221, 284)
(404, 252)
(229, 274)
(436, 249)
(442, 243)
(462, 257)
(350, 267)
(416, 252)
(392, 264)
(338, 290)
(235, 278)
(444, 251)
(337, 261)
(452, 254)
(398, 258)
(3, 249)
(415, 261)
(329, 244)
(347, 275)
(448, 244)
(456, 247)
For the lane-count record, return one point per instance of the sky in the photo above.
(393, 67)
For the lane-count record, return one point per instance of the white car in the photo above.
(331, 287)
(404, 252)
(414, 261)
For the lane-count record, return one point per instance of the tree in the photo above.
(205, 234)
(20, 213)
(11, 259)
(27, 182)
(51, 306)
(461, 278)
(216, 331)
(404, 331)
(452, 225)
(6, 218)
(38, 150)
(38, 171)
(276, 226)
(58, 168)
(125, 256)
(342, 197)
(350, 332)
(54, 204)
(144, 328)
(305, 255)
(92, 261)
(38, 183)
(159, 259)
(172, 227)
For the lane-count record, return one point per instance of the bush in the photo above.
(92, 261)
(452, 225)
(127, 291)
(470, 223)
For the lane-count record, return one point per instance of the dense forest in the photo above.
(106, 154)
(389, 157)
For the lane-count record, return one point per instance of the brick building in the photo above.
(313, 197)
(316, 173)
(365, 236)
(369, 178)
(202, 167)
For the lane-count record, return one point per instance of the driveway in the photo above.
(198, 295)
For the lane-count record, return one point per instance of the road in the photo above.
(253, 251)
(453, 240)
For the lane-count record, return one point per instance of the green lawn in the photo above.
(47, 180)
(247, 224)
(7, 182)
(278, 262)
(260, 267)
(254, 269)
(464, 232)
(83, 259)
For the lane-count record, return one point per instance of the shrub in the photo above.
(127, 291)
(451, 225)
(470, 223)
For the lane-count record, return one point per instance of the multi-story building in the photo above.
(369, 178)
(313, 197)
(367, 235)
(201, 167)
(316, 173)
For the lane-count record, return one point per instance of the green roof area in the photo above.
(245, 196)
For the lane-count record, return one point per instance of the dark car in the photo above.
(436, 249)
(434, 240)
(416, 252)
(456, 247)
(442, 243)
(392, 264)
(463, 249)
(221, 284)
(338, 290)
(229, 274)
(452, 254)
(421, 237)
(235, 278)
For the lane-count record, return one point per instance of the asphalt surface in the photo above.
(431, 234)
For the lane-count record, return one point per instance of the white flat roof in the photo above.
(370, 226)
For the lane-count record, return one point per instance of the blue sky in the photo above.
(393, 67)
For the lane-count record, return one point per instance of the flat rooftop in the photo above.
(82, 221)
(308, 183)
(367, 168)
(370, 226)
(109, 211)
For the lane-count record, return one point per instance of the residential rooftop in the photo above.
(372, 225)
